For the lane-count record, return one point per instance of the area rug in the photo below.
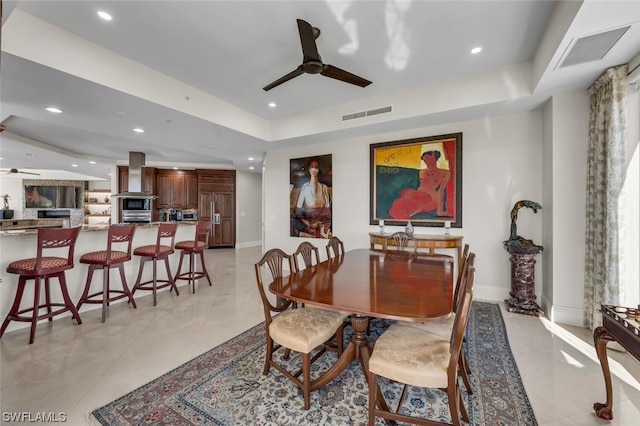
(225, 386)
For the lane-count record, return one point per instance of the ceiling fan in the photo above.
(13, 171)
(312, 63)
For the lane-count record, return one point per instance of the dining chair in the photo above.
(161, 250)
(45, 267)
(443, 327)
(119, 240)
(308, 252)
(403, 241)
(190, 248)
(298, 329)
(336, 245)
(410, 356)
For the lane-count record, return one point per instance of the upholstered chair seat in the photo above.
(304, 329)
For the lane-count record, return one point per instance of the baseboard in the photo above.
(566, 315)
(248, 244)
(490, 294)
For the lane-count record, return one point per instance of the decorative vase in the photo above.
(409, 228)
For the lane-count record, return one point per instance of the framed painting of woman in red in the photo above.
(417, 180)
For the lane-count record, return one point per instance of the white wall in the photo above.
(569, 141)
(248, 209)
(502, 163)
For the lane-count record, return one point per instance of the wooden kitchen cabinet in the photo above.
(216, 196)
(177, 189)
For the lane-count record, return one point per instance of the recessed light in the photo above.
(138, 130)
(74, 165)
(250, 158)
(476, 50)
(54, 110)
(92, 162)
(251, 167)
(272, 104)
(104, 15)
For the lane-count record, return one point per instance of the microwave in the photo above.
(136, 204)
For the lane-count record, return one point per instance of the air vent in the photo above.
(591, 48)
(369, 113)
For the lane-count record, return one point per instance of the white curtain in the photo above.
(606, 168)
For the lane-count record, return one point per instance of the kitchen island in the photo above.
(18, 244)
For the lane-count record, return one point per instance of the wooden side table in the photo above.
(430, 242)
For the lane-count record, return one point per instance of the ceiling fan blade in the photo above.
(308, 41)
(342, 75)
(286, 78)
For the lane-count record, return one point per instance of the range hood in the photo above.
(136, 173)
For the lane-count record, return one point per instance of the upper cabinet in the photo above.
(177, 189)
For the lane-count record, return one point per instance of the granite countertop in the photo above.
(86, 228)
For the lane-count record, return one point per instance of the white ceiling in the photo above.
(191, 73)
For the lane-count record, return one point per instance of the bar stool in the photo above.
(46, 267)
(191, 248)
(155, 252)
(118, 235)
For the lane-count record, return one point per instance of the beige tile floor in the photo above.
(75, 369)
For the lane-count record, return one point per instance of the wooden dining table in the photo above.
(372, 283)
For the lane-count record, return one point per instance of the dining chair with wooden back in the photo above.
(308, 252)
(192, 248)
(336, 246)
(443, 327)
(298, 329)
(118, 251)
(46, 265)
(403, 241)
(161, 250)
(410, 356)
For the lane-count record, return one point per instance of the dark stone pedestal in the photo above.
(7, 214)
(523, 296)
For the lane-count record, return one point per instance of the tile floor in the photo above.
(75, 369)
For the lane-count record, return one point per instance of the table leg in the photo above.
(600, 338)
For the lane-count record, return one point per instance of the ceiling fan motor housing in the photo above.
(312, 67)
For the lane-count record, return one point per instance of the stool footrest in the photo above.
(48, 315)
(120, 295)
(142, 286)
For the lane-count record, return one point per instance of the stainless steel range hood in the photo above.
(136, 173)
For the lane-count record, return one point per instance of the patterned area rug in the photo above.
(225, 386)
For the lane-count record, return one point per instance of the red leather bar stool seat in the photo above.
(118, 236)
(155, 252)
(39, 268)
(191, 248)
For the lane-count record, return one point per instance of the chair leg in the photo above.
(67, 300)
(125, 288)
(463, 373)
(268, 355)
(179, 266)
(373, 393)
(16, 305)
(454, 400)
(105, 291)
(172, 282)
(34, 314)
(47, 297)
(204, 267)
(87, 286)
(139, 279)
(306, 385)
(155, 279)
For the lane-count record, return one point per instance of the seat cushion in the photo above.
(191, 245)
(304, 329)
(29, 265)
(100, 257)
(412, 356)
(441, 327)
(151, 251)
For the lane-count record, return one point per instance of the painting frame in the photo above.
(417, 180)
(311, 204)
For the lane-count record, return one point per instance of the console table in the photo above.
(619, 324)
(430, 242)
